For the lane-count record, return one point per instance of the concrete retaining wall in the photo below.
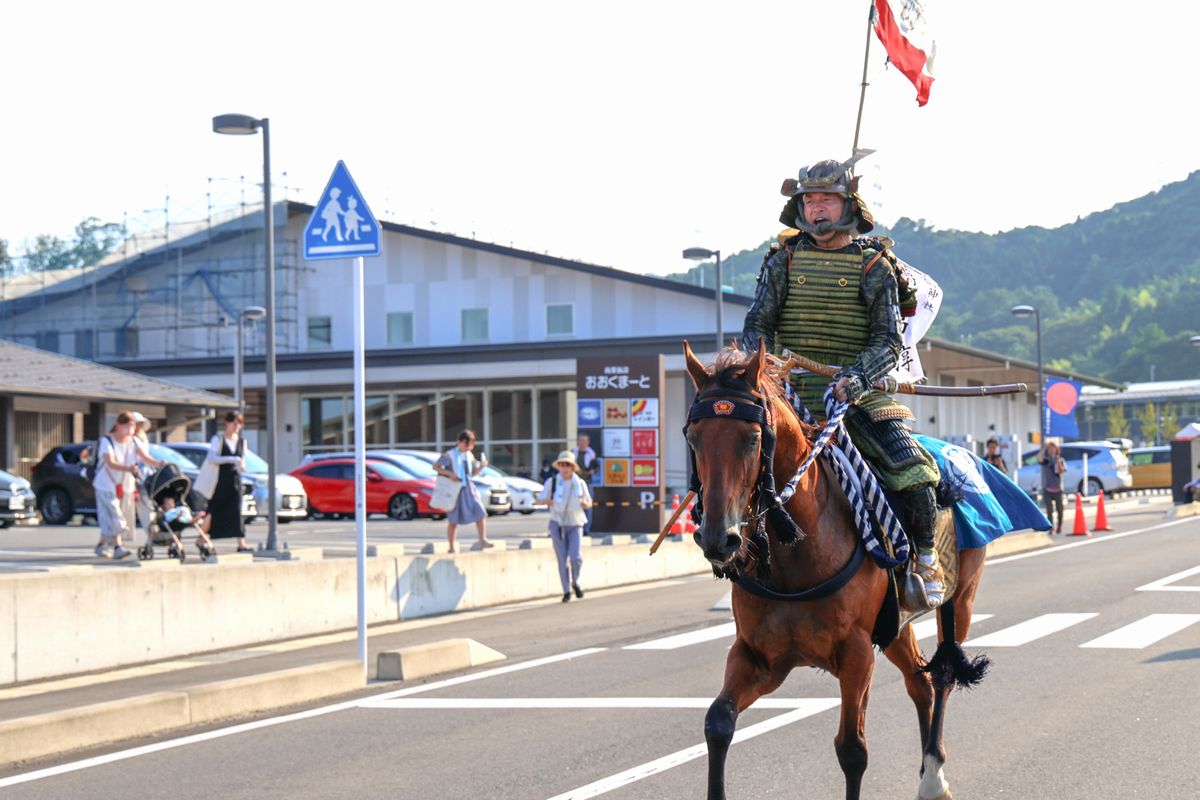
(54, 624)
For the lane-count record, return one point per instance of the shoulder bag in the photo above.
(206, 481)
(445, 492)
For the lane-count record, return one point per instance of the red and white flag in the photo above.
(900, 25)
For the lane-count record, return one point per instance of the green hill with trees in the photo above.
(1118, 290)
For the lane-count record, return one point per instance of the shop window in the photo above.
(552, 413)
(474, 324)
(324, 425)
(560, 319)
(320, 333)
(413, 417)
(376, 411)
(511, 415)
(400, 328)
(461, 411)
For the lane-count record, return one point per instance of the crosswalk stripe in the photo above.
(1029, 630)
(1145, 632)
(685, 639)
(928, 627)
(612, 782)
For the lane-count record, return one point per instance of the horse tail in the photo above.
(950, 665)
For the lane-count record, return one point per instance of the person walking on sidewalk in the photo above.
(569, 499)
(461, 465)
(227, 450)
(115, 484)
(1053, 468)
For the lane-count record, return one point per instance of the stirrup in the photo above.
(932, 578)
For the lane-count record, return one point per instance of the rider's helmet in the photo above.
(835, 178)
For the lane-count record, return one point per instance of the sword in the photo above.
(910, 388)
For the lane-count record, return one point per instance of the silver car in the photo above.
(292, 500)
(1108, 469)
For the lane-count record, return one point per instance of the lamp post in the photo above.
(251, 313)
(1026, 311)
(243, 125)
(700, 254)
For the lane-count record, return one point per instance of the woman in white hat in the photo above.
(568, 497)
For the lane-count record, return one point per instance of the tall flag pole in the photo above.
(862, 94)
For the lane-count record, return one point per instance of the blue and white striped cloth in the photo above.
(866, 496)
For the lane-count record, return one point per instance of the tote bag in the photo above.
(445, 493)
(206, 481)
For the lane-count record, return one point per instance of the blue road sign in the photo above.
(341, 225)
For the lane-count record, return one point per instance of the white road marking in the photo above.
(685, 639)
(470, 703)
(1145, 632)
(928, 627)
(1163, 585)
(244, 727)
(1060, 548)
(725, 603)
(1029, 630)
(605, 785)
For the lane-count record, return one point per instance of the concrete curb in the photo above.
(27, 738)
(420, 661)
(1183, 510)
(241, 696)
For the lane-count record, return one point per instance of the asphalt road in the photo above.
(1095, 644)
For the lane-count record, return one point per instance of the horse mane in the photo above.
(729, 372)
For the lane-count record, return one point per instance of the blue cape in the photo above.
(991, 504)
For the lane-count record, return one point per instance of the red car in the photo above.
(330, 487)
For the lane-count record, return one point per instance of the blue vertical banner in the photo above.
(1062, 397)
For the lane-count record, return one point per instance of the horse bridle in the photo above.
(765, 501)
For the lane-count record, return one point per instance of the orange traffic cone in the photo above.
(677, 528)
(689, 524)
(1080, 522)
(1101, 515)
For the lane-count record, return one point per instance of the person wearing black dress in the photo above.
(225, 508)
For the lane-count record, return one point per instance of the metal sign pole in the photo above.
(360, 466)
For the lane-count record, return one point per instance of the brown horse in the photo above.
(833, 632)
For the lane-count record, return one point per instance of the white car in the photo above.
(292, 500)
(522, 490)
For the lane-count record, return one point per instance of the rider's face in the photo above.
(823, 207)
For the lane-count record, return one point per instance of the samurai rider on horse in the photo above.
(828, 292)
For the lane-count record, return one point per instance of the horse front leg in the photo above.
(746, 680)
(856, 664)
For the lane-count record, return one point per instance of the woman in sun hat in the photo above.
(568, 497)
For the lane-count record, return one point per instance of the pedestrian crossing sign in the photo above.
(341, 224)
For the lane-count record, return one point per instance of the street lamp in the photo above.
(251, 313)
(243, 125)
(700, 254)
(1026, 311)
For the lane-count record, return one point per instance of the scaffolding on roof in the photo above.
(173, 287)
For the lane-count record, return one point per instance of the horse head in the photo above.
(732, 415)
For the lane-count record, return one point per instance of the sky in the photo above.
(614, 133)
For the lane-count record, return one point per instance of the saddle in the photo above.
(893, 615)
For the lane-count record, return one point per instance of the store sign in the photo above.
(619, 402)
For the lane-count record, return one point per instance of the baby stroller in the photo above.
(168, 483)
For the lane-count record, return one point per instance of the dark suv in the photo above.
(64, 488)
